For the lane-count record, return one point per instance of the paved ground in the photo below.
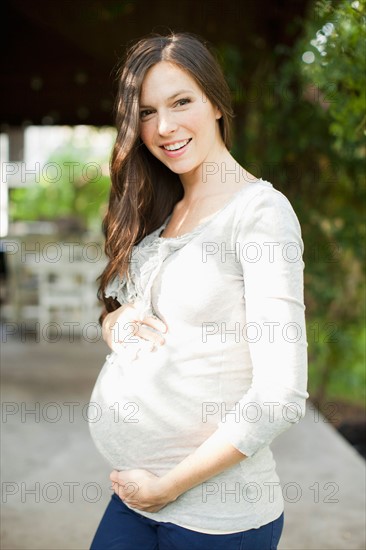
(55, 484)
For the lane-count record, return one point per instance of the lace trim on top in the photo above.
(147, 258)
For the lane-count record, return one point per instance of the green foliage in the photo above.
(301, 126)
(337, 55)
(73, 183)
(337, 74)
(343, 379)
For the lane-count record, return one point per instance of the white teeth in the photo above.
(176, 146)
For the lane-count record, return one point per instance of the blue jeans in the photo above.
(125, 529)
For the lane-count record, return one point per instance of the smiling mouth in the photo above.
(176, 146)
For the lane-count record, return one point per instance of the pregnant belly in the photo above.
(140, 420)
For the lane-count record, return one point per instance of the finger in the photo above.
(125, 330)
(115, 488)
(150, 335)
(118, 476)
(120, 493)
(156, 323)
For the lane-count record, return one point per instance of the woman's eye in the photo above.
(144, 114)
(182, 102)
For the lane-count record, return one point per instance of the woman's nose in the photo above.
(166, 124)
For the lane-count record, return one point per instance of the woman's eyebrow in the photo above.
(171, 97)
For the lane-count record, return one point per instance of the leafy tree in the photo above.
(301, 125)
(336, 63)
(74, 185)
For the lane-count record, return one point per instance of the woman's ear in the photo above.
(218, 114)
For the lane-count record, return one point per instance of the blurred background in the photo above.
(297, 74)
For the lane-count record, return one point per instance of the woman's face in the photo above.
(178, 124)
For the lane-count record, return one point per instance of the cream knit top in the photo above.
(234, 358)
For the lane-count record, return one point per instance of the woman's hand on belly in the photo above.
(141, 489)
(124, 327)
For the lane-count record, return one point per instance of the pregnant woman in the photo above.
(204, 315)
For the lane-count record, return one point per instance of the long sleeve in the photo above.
(269, 244)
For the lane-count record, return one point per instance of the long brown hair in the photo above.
(144, 191)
